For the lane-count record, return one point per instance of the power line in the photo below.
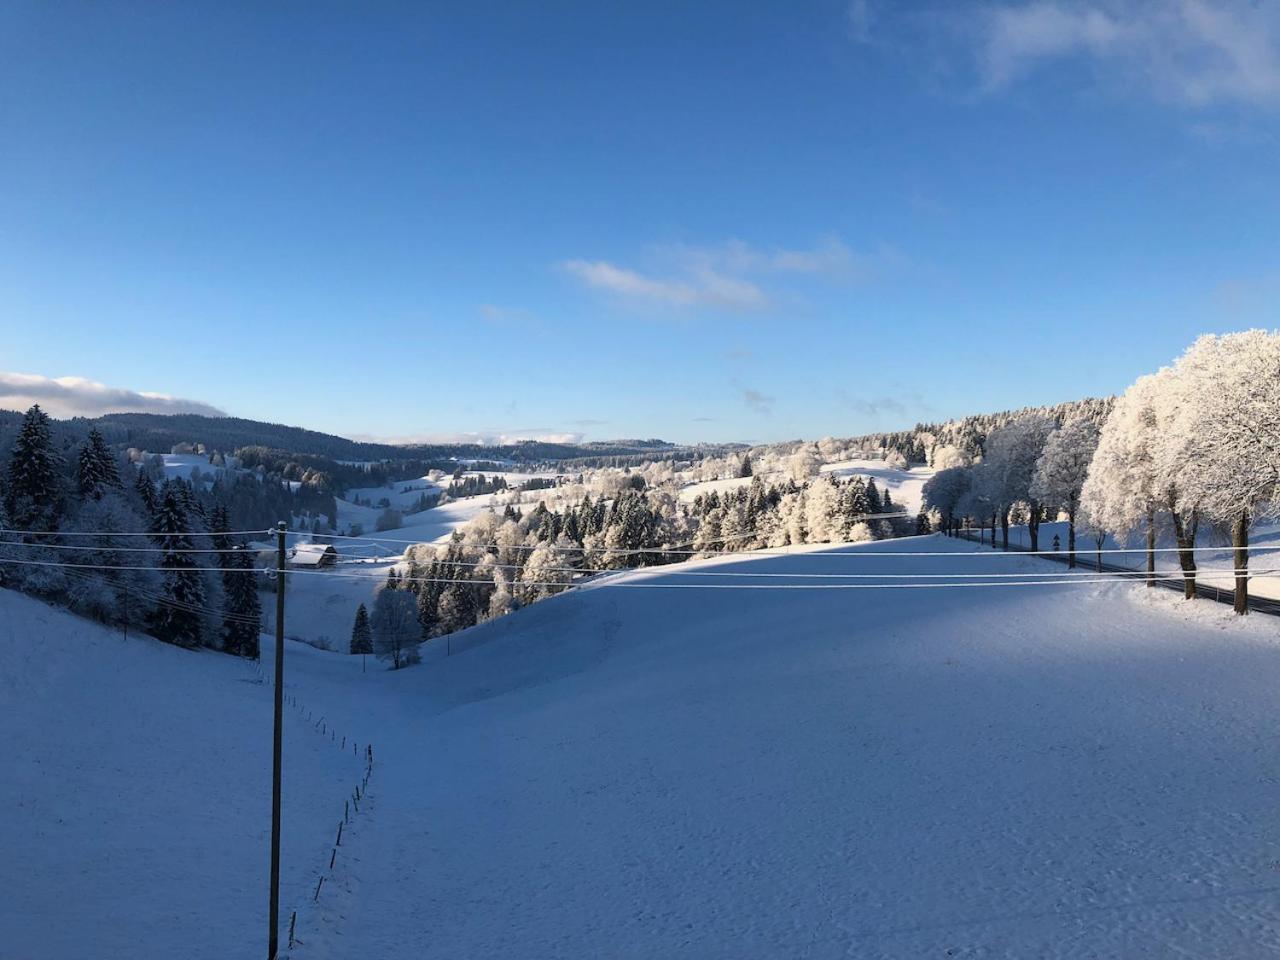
(1012, 579)
(114, 549)
(831, 550)
(99, 533)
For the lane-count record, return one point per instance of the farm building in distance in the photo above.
(313, 555)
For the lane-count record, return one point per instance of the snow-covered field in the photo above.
(638, 769)
(906, 486)
(135, 802)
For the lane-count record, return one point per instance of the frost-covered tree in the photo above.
(541, 574)
(945, 456)
(1061, 471)
(1012, 452)
(1227, 436)
(944, 492)
(502, 601)
(822, 518)
(803, 464)
(33, 497)
(1122, 491)
(395, 627)
(896, 460)
(113, 593)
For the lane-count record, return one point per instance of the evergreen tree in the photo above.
(220, 529)
(361, 633)
(177, 618)
(34, 495)
(146, 490)
(96, 471)
(873, 497)
(242, 608)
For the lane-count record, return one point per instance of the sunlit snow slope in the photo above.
(1072, 771)
(135, 794)
(654, 771)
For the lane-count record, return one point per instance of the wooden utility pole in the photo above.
(273, 936)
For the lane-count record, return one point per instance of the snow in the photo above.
(692, 491)
(906, 486)
(136, 795)
(324, 603)
(401, 496)
(634, 769)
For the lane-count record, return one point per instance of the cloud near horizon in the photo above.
(64, 397)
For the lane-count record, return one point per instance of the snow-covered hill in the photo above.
(135, 798)
(638, 769)
(641, 769)
(906, 486)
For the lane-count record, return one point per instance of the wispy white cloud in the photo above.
(700, 287)
(732, 275)
(77, 397)
(1190, 52)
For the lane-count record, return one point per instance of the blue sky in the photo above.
(706, 221)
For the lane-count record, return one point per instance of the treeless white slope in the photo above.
(1028, 771)
(135, 794)
(905, 486)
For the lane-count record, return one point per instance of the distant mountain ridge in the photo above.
(159, 433)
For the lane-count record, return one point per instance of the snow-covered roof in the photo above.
(313, 555)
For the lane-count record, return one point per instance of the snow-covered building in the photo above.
(313, 555)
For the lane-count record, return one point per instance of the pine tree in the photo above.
(34, 494)
(242, 608)
(177, 618)
(220, 529)
(96, 471)
(361, 633)
(146, 491)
